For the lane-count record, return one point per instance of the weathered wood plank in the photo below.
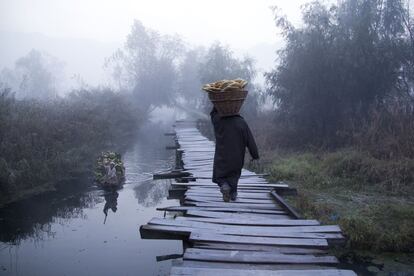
(285, 206)
(215, 189)
(239, 200)
(247, 228)
(251, 247)
(241, 215)
(317, 243)
(182, 232)
(264, 206)
(235, 256)
(170, 175)
(219, 209)
(186, 271)
(217, 194)
(254, 221)
(240, 185)
(206, 176)
(247, 266)
(185, 230)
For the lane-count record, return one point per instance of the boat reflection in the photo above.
(111, 202)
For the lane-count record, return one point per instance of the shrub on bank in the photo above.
(369, 198)
(351, 169)
(42, 143)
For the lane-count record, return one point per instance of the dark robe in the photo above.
(233, 135)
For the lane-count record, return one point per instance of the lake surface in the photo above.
(67, 233)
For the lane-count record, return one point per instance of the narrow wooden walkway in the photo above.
(259, 234)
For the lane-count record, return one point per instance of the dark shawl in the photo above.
(233, 135)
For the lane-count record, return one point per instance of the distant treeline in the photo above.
(343, 126)
(44, 142)
(346, 77)
(161, 70)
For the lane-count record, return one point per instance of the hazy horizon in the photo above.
(83, 33)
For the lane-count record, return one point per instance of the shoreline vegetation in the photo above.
(45, 143)
(368, 197)
(353, 189)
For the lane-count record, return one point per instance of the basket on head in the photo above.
(228, 103)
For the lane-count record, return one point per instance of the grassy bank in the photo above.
(371, 199)
(45, 143)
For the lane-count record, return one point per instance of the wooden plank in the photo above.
(251, 247)
(285, 206)
(176, 193)
(240, 215)
(317, 243)
(179, 233)
(219, 209)
(247, 228)
(207, 176)
(187, 271)
(247, 266)
(249, 179)
(215, 189)
(182, 232)
(264, 206)
(253, 221)
(258, 257)
(217, 194)
(240, 185)
(248, 190)
(239, 200)
(170, 175)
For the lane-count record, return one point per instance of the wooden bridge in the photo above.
(259, 234)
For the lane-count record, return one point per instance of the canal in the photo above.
(68, 233)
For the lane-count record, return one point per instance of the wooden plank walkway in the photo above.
(258, 234)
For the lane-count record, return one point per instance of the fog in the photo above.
(330, 104)
(83, 33)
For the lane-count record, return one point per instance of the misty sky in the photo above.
(233, 22)
(82, 33)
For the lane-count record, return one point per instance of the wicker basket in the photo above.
(228, 103)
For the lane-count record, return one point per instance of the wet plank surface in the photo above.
(258, 234)
(176, 271)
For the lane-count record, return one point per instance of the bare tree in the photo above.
(35, 75)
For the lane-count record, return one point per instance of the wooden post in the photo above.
(285, 206)
(178, 159)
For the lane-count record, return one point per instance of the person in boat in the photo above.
(111, 176)
(232, 135)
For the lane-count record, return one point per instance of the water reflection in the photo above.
(62, 233)
(32, 218)
(150, 193)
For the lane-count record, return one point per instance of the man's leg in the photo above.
(225, 189)
(233, 184)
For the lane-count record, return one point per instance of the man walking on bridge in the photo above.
(233, 135)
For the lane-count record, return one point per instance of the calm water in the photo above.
(65, 234)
